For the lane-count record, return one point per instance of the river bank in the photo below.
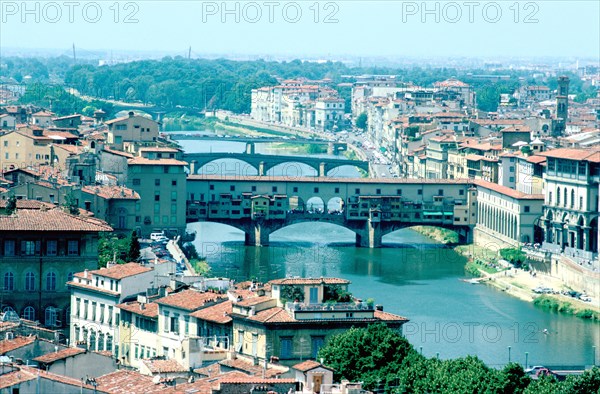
(484, 263)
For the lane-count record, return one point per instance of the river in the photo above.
(412, 276)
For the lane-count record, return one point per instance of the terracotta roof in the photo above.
(536, 159)
(516, 129)
(307, 365)
(507, 190)
(8, 345)
(112, 192)
(272, 315)
(118, 153)
(50, 220)
(61, 354)
(24, 373)
(256, 370)
(164, 366)
(150, 309)
(160, 149)
(44, 113)
(28, 204)
(309, 281)
(591, 155)
(120, 271)
(217, 313)
(254, 301)
(189, 299)
(14, 378)
(386, 316)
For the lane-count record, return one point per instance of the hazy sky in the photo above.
(358, 28)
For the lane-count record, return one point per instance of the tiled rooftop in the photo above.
(61, 354)
(149, 310)
(120, 271)
(218, 313)
(8, 345)
(189, 299)
(50, 220)
(164, 366)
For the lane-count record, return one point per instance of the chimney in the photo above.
(85, 273)
(379, 308)
(131, 114)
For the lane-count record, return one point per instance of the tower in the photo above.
(562, 105)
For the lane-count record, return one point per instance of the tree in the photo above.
(11, 205)
(361, 121)
(134, 248)
(370, 354)
(71, 204)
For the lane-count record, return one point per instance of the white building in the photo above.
(94, 296)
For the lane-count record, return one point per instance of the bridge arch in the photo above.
(339, 171)
(225, 166)
(292, 169)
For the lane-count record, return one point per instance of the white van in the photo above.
(157, 237)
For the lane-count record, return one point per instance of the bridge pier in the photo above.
(258, 235)
(250, 148)
(371, 236)
(261, 168)
(322, 169)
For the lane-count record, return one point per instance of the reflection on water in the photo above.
(411, 276)
(414, 277)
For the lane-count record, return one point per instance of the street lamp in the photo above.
(509, 354)
(526, 360)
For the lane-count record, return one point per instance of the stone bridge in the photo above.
(263, 163)
(370, 208)
(333, 147)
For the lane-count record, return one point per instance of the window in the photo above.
(316, 189)
(572, 198)
(101, 318)
(30, 281)
(110, 315)
(175, 323)
(558, 196)
(286, 347)
(157, 182)
(137, 181)
(51, 281)
(28, 248)
(29, 313)
(317, 343)
(580, 203)
(73, 248)
(511, 179)
(9, 281)
(254, 188)
(357, 191)
(157, 196)
(50, 317)
(51, 247)
(440, 192)
(166, 321)
(420, 192)
(232, 188)
(173, 196)
(156, 207)
(174, 182)
(93, 311)
(9, 247)
(212, 187)
(399, 192)
(186, 325)
(526, 208)
(274, 189)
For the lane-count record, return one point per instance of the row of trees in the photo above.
(227, 84)
(385, 361)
